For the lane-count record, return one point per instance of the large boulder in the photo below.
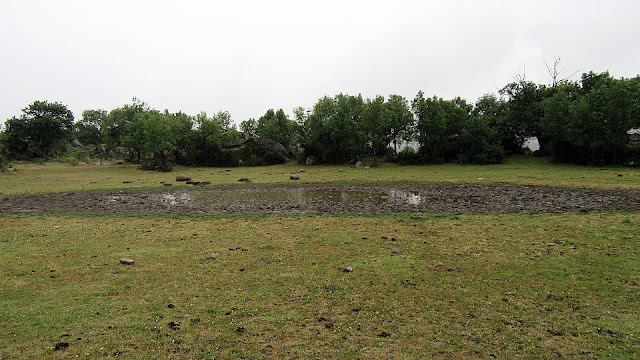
(183, 178)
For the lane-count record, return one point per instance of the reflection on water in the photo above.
(301, 196)
(173, 199)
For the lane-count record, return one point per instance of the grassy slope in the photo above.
(465, 286)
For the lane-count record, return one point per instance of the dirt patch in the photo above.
(459, 198)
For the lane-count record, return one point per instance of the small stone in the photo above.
(167, 184)
(182, 177)
(396, 251)
(555, 332)
(244, 180)
(171, 306)
(61, 346)
(348, 269)
(301, 170)
(384, 334)
(367, 168)
(127, 182)
(240, 329)
(189, 182)
(294, 177)
(328, 325)
(173, 325)
(126, 261)
(212, 256)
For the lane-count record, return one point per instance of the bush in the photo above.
(408, 156)
(4, 163)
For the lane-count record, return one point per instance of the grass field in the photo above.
(61, 177)
(422, 286)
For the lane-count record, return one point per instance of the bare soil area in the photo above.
(457, 198)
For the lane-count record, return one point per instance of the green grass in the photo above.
(465, 285)
(31, 178)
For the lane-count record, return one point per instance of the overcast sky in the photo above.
(248, 56)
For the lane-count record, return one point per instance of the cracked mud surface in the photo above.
(319, 199)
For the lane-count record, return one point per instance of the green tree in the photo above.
(276, 126)
(249, 127)
(525, 111)
(120, 122)
(42, 127)
(335, 129)
(400, 120)
(89, 130)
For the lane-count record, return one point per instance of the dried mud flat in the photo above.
(434, 198)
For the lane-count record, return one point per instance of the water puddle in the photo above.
(294, 196)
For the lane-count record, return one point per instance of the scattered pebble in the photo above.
(173, 325)
(127, 261)
(212, 256)
(348, 269)
(396, 251)
(61, 346)
(244, 180)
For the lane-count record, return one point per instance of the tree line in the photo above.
(590, 121)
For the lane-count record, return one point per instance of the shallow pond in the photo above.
(296, 196)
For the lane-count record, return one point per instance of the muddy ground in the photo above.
(457, 198)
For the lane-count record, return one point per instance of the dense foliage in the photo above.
(589, 122)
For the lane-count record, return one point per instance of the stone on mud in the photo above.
(182, 177)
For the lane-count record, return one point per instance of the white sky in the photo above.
(248, 56)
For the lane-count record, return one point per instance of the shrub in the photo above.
(4, 163)
(408, 156)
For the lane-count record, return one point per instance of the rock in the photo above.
(61, 346)
(340, 170)
(171, 306)
(348, 269)
(10, 169)
(555, 332)
(328, 325)
(310, 161)
(244, 180)
(205, 183)
(240, 330)
(384, 334)
(367, 168)
(294, 177)
(227, 170)
(182, 177)
(188, 182)
(127, 182)
(127, 261)
(396, 251)
(301, 170)
(167, 184)
(76, 143)
(173, 325)
(359, 164)
(212, 256)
